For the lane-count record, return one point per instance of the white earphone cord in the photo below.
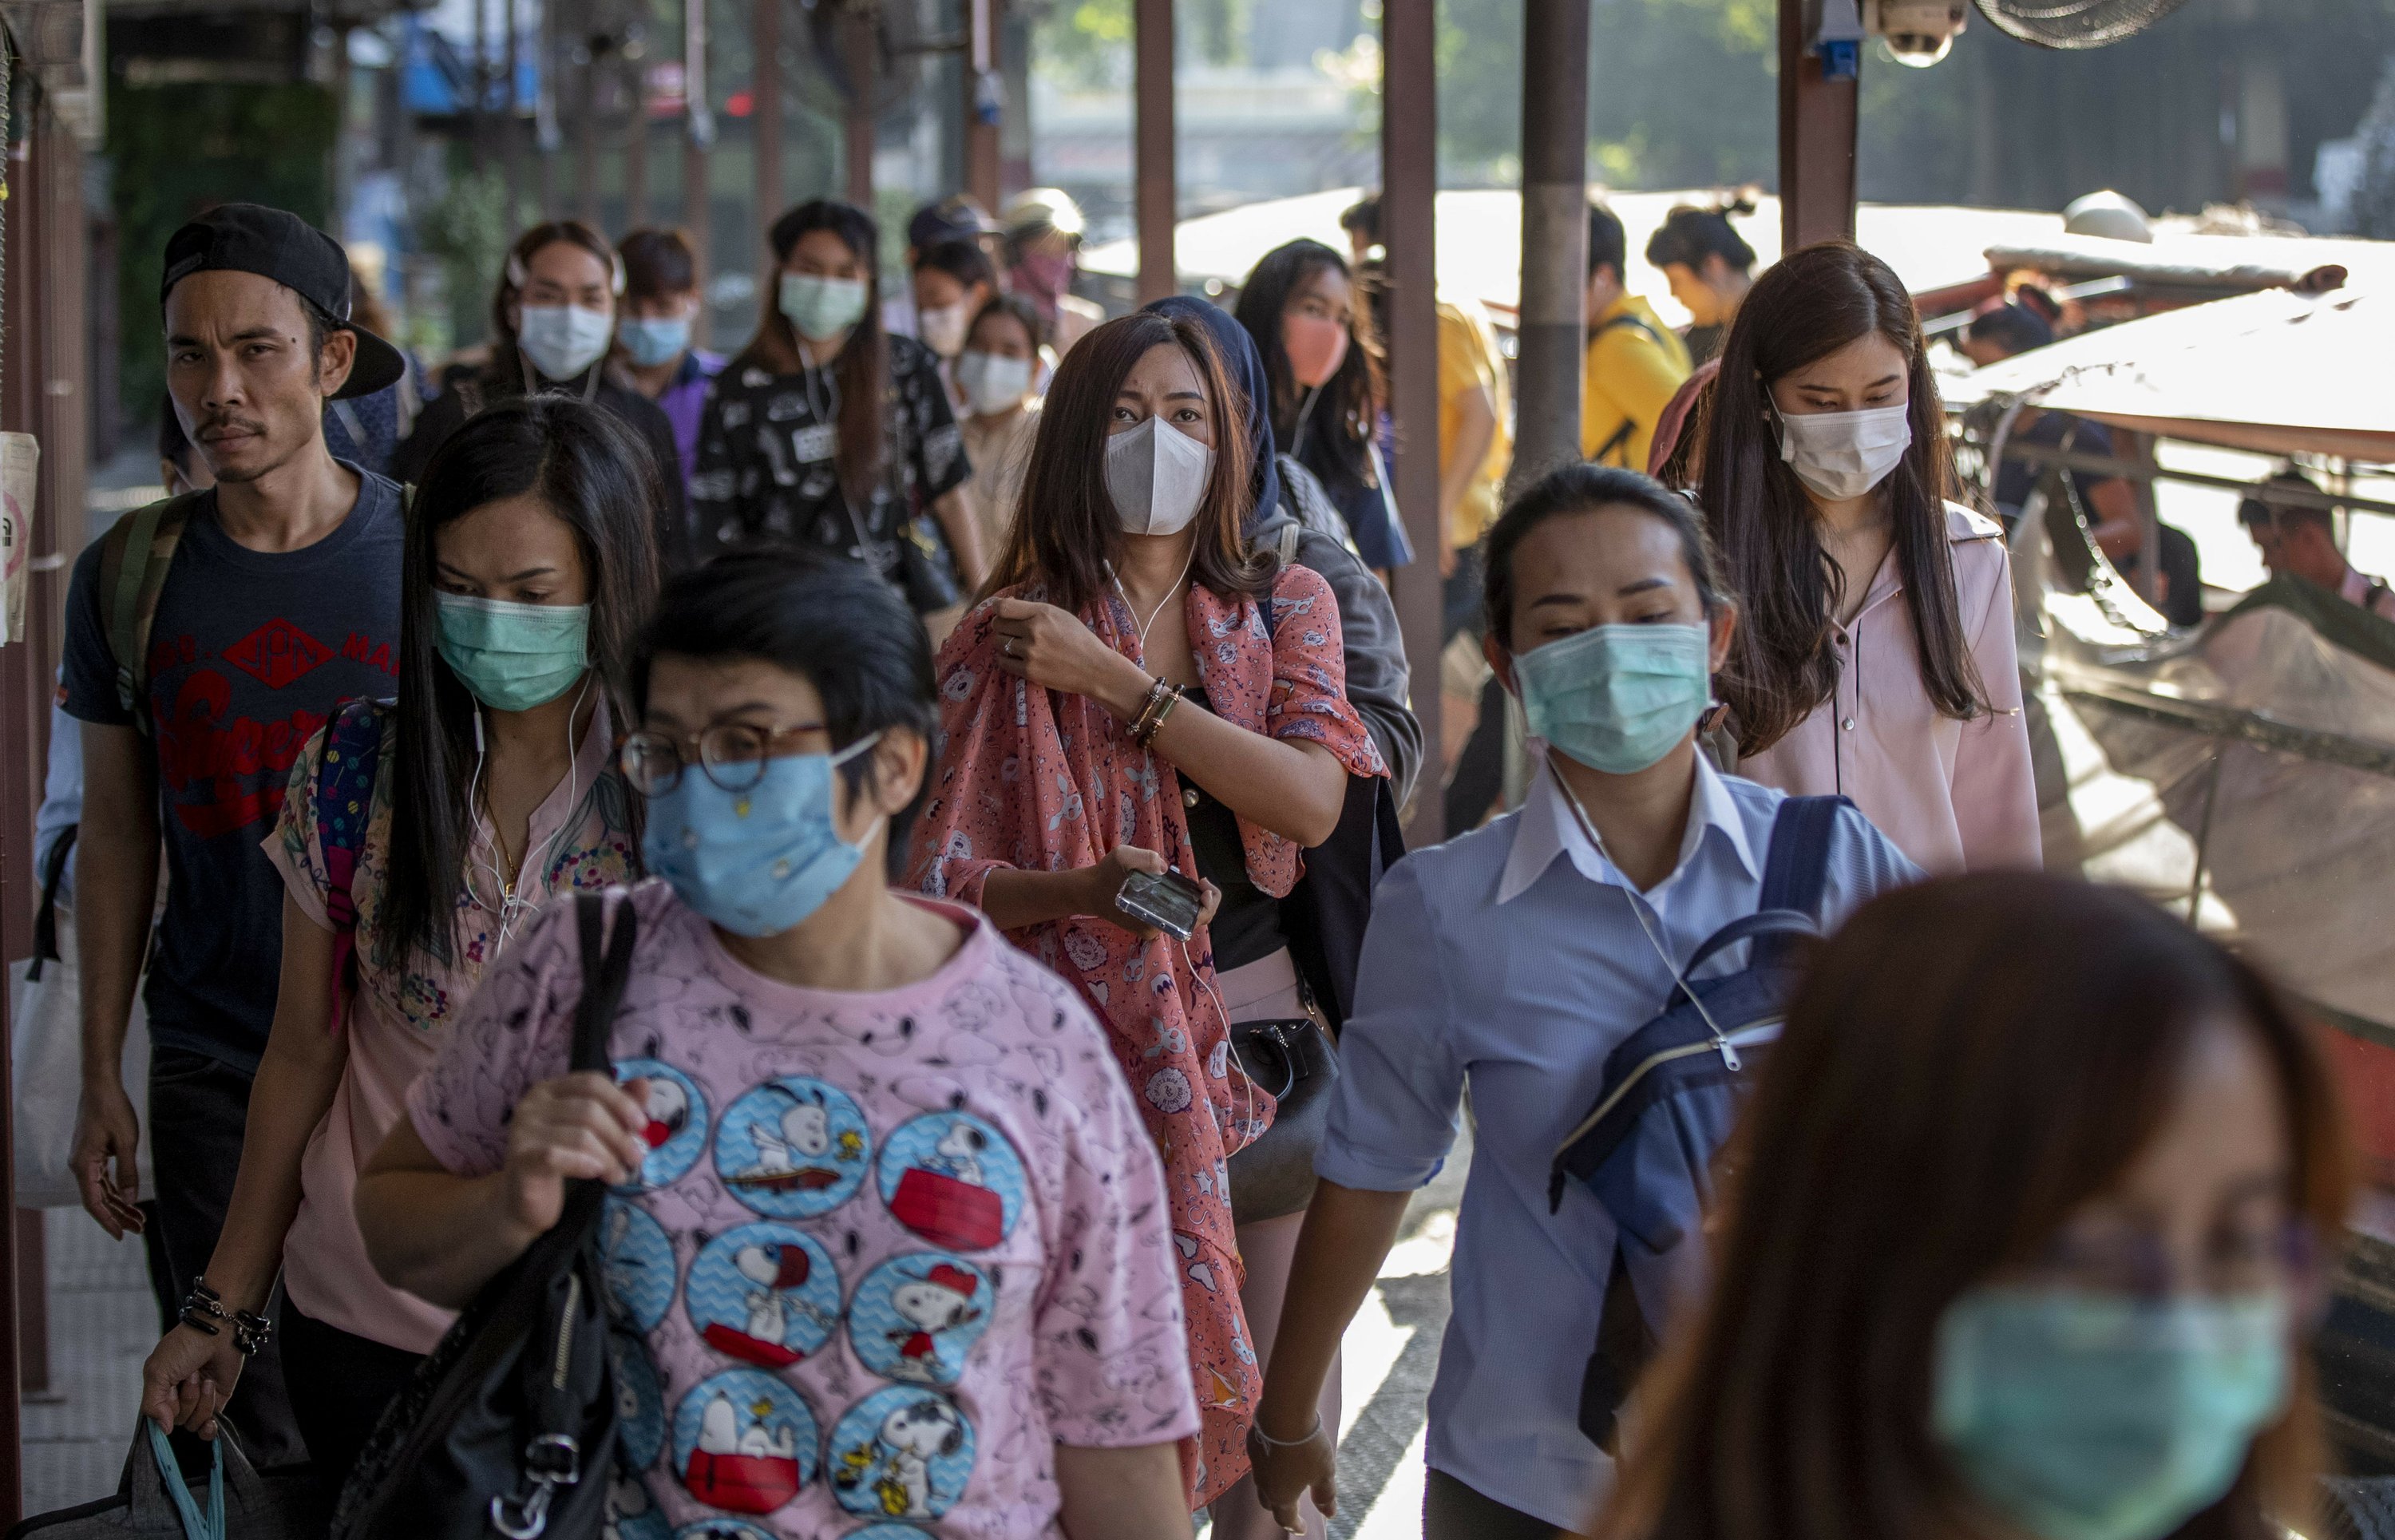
(512, 904)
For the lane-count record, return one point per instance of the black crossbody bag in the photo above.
(509, 1424)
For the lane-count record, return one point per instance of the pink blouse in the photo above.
(1955, 796)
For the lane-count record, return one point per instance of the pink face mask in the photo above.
(1316, 346)
(1051, 271)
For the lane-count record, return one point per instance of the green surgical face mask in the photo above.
(1617, 698)
(514, 657)
(2085, 1416)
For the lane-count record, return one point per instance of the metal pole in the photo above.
(544, 112)
(860, 51)
(511, 125)
(585, 130)
(1156, 199)
(1409, 228)
(765, 116)
(985, 101)
(698, 122)
(1554, 235)
(1817, 137)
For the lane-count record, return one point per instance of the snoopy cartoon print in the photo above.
(953, 1180)
(764, 1294)
(744, 1442)
(640, 1400)
(675, 1129)
(637, 1263)
(901, 1453)
(915, 1317)
(631, 1513)
(793, 1148)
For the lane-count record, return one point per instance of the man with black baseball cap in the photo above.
(207, 639)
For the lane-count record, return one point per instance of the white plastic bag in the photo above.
(45, 1027)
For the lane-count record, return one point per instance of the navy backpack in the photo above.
(1671, 1091)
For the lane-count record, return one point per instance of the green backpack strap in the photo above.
(134, 558)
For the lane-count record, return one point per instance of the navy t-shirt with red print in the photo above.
(249, 653)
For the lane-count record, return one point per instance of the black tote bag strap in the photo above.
(604, 975)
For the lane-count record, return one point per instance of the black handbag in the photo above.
(1294, 1060)
(509, 1424)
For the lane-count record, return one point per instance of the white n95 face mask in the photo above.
(1157, 475)
(1844, 454)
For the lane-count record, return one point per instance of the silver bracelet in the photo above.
(1256, 1431)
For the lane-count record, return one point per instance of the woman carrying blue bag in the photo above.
(1513, 961)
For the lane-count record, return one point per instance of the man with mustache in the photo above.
(207, 638)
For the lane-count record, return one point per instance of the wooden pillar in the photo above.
(1408, 229)
(1817, 136)
(984, 103)
(860, 51)
(1554, 236)
(1154, 196)
(585, 132)
(544, 113)
(636, 148)
(765, 112)
(698, 138)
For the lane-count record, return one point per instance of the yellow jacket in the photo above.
(1636, 364)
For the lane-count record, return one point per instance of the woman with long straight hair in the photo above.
(827, 434)
(1877, 656)
(1139, 690)
(553, 324)
(417, 838)
(1330, 391)
(2007, 1250)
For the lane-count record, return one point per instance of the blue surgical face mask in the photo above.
(2087, 1416)
(514, 657)
(760, 860)
(821, 308)
(1617, 698)
(650, 342)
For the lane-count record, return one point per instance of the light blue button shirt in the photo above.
(1513, 960)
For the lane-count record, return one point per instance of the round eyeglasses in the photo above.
(731, 754)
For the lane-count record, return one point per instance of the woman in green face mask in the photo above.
(2024, 1240)
(417, 838)
(827, 434)
(1510, 963)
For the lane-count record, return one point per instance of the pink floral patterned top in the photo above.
(1035, 780)
(404, 1007)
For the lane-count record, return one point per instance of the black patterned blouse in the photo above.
(764, 474)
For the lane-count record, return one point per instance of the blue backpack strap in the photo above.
(344, 794)
(1797, 867)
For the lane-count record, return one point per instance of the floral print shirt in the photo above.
(404, 1006)
(765, 471)
(1039, 781)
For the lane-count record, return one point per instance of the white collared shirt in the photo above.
(1514, 959)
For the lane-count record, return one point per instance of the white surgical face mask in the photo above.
(993, 383)
(1844, 454)
(562, 340)
(944, 329)
(1157, 475)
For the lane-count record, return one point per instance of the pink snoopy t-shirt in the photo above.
(885, 1252)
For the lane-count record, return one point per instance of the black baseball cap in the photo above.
(273, 243)
(952, 218)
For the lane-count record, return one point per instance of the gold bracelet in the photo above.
(1147, 709)
(1163, 710)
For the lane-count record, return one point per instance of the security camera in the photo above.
(1918, 32)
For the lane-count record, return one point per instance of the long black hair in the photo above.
(1805, 307)
(833, 623)
(862, 371)
(1347, 410)
(588, 470)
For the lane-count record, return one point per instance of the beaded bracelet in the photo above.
(251, 1333)
(1160, 701)
(202, 1308)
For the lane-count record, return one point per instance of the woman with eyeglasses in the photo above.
(2009, 1251)
(889, 1244)
(417, 838)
